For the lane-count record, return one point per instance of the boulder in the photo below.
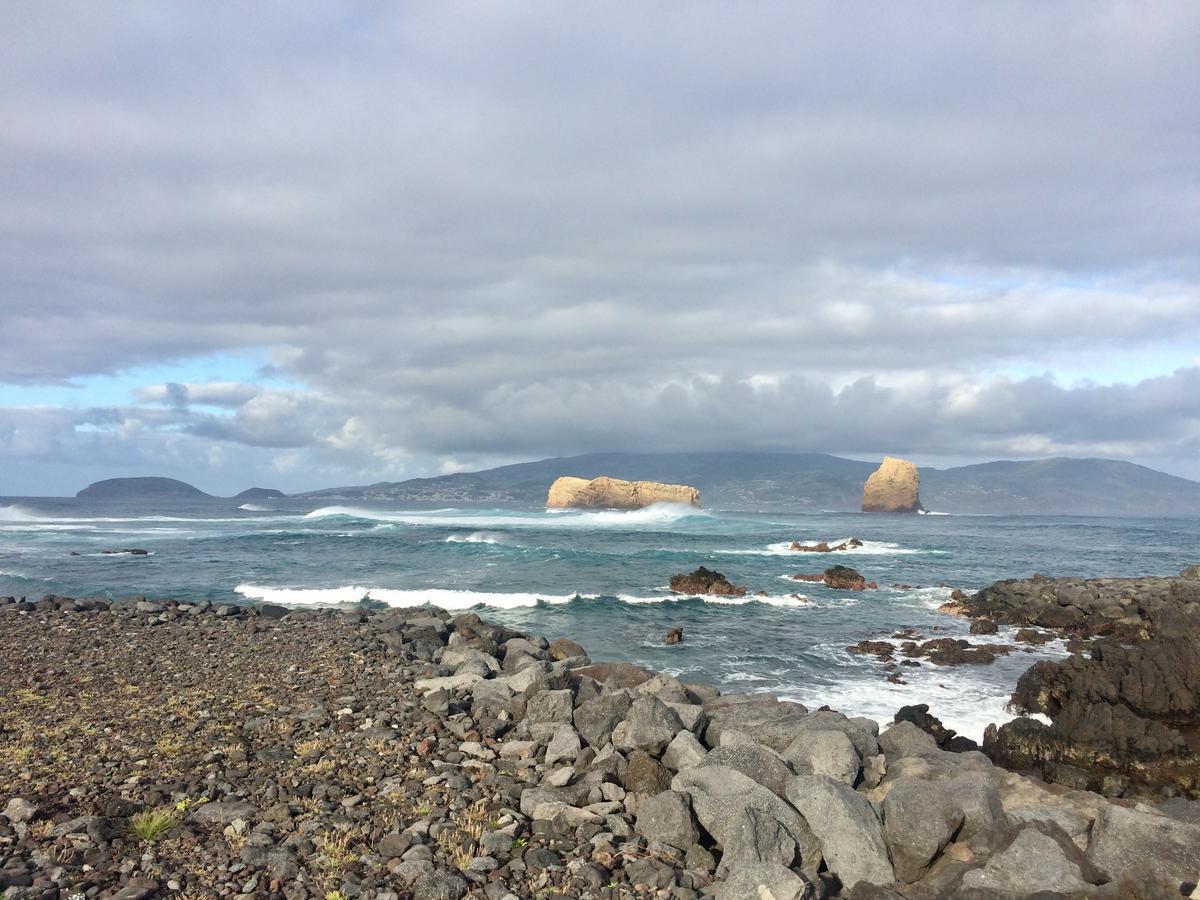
(667, 818)
(1133, 840)
(1032, 863)
(847, 828)
(919, 820)
(893, 488)
(595, 719)
(906, 739)
(756, 837)
(719, 797)
(751, 758)
(824, 752)
(649, 725)
(763, 881)
(683, 752)
(673, 636)
(565, 649)
(614, 493)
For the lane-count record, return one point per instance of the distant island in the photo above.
(154, 488)
(766, 481)
(141, 488)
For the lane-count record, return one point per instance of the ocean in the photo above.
(601, 579)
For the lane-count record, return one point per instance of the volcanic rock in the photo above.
(613, 493)
(842, 578)
(705, 581)
(893, 488)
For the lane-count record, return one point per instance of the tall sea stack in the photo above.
(893, 488)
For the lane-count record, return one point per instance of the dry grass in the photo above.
(336, 851)
(152, 824)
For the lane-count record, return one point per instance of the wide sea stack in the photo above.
(613, 493)
(893, 488)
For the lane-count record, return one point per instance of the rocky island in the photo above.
(164, 748)
(893, 488)
(613, 493)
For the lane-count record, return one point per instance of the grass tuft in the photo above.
(152, 824)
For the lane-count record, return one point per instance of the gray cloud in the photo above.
(495, 230)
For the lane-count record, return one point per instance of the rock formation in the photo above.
(1124, 708)
(613, 493)
(705, 581)
(893, 488)
(842, 578)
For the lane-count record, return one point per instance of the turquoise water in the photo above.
(600, 578)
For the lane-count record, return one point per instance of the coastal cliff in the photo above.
(613, 493)
(893, 488)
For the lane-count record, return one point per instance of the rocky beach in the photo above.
(161, 748)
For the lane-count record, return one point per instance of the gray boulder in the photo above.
(753, 759)
(223, 813)
(683, 752)
(978, 797)
(649, 725)
(667, 818)
(757, 837)
(1033, 862)
(721, 794)
(564, 746)
(919, 820)
(830, 753)
(595, 719)
(549, 706)
(847, 827)
(906, 739)
(1133, 840)
(763, 881)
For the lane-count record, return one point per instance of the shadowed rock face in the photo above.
(893, 488)
(613, 493)
(1124, 710)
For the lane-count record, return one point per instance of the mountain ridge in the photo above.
(745, 479)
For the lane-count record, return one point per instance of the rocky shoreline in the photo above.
(196, 750)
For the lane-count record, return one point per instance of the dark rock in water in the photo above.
(881, 649)
(1125, 714)
(673, 636)
(842, 578)
(705, 581)
(984, 626)
(947, 738)
(133, 551)
(825, 547)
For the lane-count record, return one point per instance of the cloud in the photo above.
(467, 233)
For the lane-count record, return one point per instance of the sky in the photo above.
(306, 245)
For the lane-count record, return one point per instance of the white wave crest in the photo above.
(443, 597)
(476, 537)
(868, 548)
(254, 507)
(459, 599)
(657, 514)
(16, 513)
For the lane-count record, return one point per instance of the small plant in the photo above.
(336, 850)
(335, 895)
(182, 806)
(152, 824)
(458, 847)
